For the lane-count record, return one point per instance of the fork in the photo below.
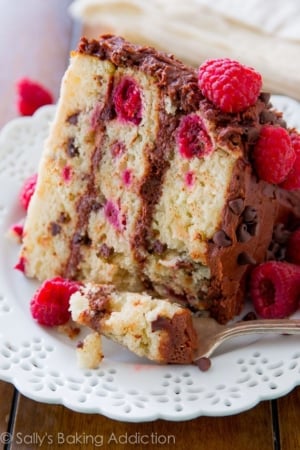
(211, 334)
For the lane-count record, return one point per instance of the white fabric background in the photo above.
(262, 34)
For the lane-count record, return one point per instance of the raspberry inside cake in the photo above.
(144, 184)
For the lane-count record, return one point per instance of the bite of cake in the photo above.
(149, 327)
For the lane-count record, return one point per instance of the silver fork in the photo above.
(211, 334)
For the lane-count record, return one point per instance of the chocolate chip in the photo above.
(80, 344)
(242, 233)
(281, 254)
(269, 190)
(276, 251)
(184, 264)
(55, 228)
(73, 119)
(95, 206)
(203, 363)
(221, 239)
(161, 323)
(244, 258)
(265, 97)
(267, 116)
(105, 251)
(64, 217)
(147, 283)
(250, 214)
(252, 134)
(81, 239)
(281, 234)
(249, 316)
(281, 122)
(72, 150)
(252, 228)
(236, 206)
(158, 247)
(273, 250)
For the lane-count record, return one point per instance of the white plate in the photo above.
(41, 363)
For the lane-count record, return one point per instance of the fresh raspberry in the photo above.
(193, 139)
(21, 264)
(295, 138)
(228, 84)
(27, 191)
(273, 154)
(50, 304)
(16, 231)
(293, 247)
(128, 102)
(275, 289)
(31, 96)
(292, 181)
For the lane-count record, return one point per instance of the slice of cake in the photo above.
(145, 184)
(152, 328)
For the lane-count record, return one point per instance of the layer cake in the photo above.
(145, 185)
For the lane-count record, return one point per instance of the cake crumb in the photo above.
(89, 351)
(70, 330)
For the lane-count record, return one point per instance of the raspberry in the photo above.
(21, 264)
(127, 177)
(189, 179)
(293, 248)
(67, 173)
(295, 138)
(127, 100)
(292, 181)
(17, 229)
(113, 214)
(50, 304)
(228, 84)
(27, 191)
(193, 139)
(16, 232)
(30, 96)
(117, 149)
(275, 289)
(273, 154)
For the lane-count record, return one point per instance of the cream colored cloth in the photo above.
(264, 35)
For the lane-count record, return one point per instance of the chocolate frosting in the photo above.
(177, 80)
(180, 340)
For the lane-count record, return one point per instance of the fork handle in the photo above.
(261, 326)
